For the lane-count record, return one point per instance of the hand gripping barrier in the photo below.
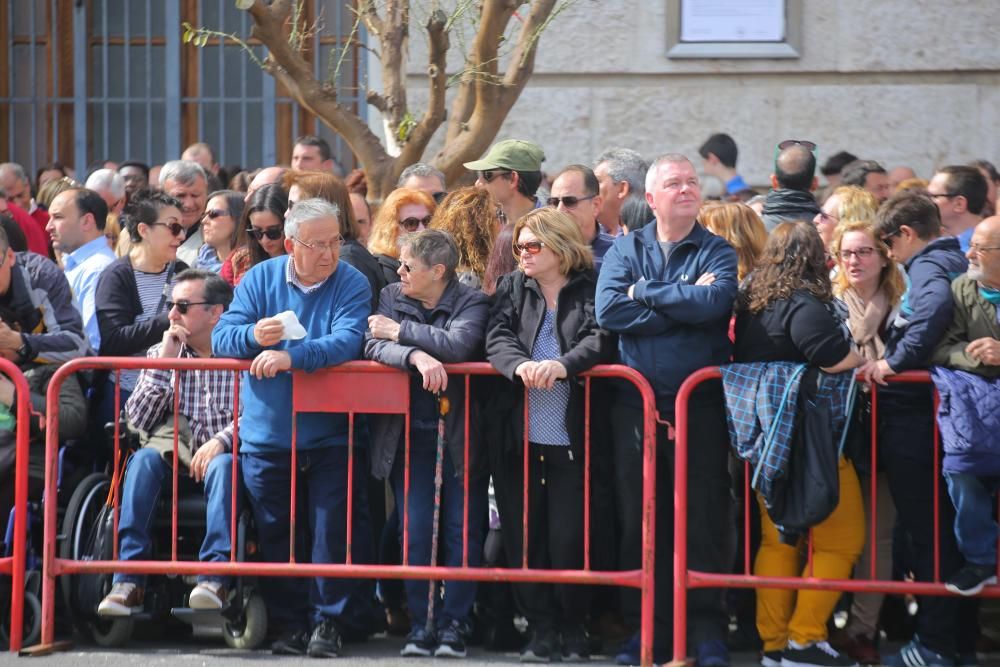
(685, 579)
(357, 388)
(13, 565)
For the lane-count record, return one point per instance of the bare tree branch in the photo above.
(437, 80)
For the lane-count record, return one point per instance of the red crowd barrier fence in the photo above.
(13, 565)
(685, 579)
(354, 388)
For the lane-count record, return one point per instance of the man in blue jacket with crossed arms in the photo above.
(331, 300)
(668, 291)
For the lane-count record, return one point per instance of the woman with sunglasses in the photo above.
(220, 229)
(403, 212)
(261, 233)
(132, 293)
(542, 334)
(470, 215)
(323, 185)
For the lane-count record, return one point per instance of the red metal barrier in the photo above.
(362, 388)
(13, 565)
(685, 579)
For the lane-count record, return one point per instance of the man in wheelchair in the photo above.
(204, 433)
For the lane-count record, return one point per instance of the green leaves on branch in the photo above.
(405, 127)
(244, 4)
(194, 35)
(199, 37)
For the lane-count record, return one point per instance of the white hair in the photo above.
(308, 210)
(106, 180)
(182, 172)
(654, 168)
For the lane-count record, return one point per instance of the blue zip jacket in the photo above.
(671, 327)
(335, 317)
(969, 419)
(926, 311)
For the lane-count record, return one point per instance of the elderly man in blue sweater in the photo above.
(331, 300)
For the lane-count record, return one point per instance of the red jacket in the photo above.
(35, 237)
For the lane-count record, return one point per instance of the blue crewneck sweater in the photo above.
(335, 317)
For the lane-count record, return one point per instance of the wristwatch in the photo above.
(24, 352)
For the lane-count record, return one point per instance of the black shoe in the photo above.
(817, 654)
(541, 647)
(325, 641)
(451, 641)
(294, 642)
(971, 579)
(575, 644)
(419, 643)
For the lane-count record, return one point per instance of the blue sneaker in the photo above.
(712, 654)
(916, 654)
(628, 653)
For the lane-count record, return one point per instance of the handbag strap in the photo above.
(852, 395)
(769, 438)
(165, 294)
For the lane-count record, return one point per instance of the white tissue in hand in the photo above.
(293, 328)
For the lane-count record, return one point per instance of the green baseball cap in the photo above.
(513, 154)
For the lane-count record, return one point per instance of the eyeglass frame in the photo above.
(316, 247)
(182, 306)
(489, 175)
(519, 248)
(172, 227)
(426, 220)
(886, 239)
(567, 204)
(214, 213)
(861, 253)
(972, 248)
(272, 233)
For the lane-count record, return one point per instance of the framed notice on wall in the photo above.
(734, 28)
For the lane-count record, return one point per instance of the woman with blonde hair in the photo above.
(404, 211)
(742, 227)
(848, 202)
(542, 334)
(470, 216)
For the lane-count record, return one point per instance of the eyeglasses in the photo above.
(972, 248)
(861, 253)
(321, 246)
(487, 175)
(439, 196)
(413, 224)
(948, 195)
(788, 143)
(214, 213)
(273, 233)
(887, 238)
(175, 228)
(407, 267)
(533, 248)
(827, 218)
(568, 202)
(182, 306)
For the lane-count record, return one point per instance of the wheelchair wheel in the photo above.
(32, 619)
(109, 632)
(248, 631)
(81, 514)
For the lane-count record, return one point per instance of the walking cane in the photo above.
(443, 408)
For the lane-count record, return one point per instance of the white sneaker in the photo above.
(124, 599)
(207, 595)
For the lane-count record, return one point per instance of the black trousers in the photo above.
(555, 531)
(710, 526)
(945, 624)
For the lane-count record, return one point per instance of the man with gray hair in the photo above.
(187, 182)
(110, 186)
(14, 181)
(331, 300)
(425, 177)
(621, 173)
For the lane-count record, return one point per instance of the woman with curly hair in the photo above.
(404, 211)
(786, 313)
(742, 227)
(469, 215)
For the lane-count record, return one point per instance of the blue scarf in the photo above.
(990, 294)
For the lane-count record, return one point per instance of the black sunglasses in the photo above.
(439, 196)
(175, 228)
(488, 175)
(413, 224)
(273, 233)
(569, 201)
(182, 306)
(788, 143)
(214, 213)
(887, 238)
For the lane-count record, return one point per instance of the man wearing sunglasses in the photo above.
(204, 425)
(668, 291)
(793, 183)
(910, 225)
(332, 301)
(575, 192)
(424, 177)
(512, 172)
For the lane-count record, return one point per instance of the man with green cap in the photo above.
(512, 172)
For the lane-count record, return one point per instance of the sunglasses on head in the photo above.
(175, 228)
(788, 143)
(568, 202)
(413, 224)
(214, 213)
(533, 247)
(488, 175)
(273, 233)
(182, 306)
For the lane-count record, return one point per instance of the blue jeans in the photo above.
(975, 529)
(295, 603)
(458, 595)
(148, 476)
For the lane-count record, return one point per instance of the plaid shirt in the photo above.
(206, 400)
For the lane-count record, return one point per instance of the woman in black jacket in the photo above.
(542, 334)
(424, 321)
